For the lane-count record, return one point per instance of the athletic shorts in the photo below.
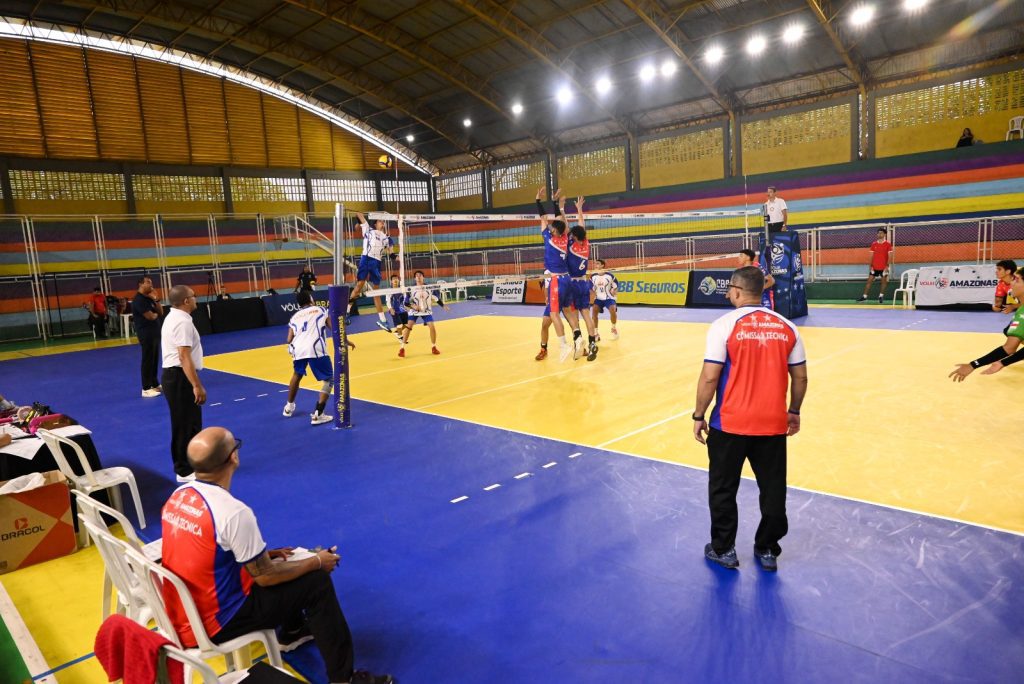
(429, 318)
(547, 310)
(369, 269)
(877, 274)
(581, 294)
(559, 293)
(400, 319)
(321, 367)
(603, 304)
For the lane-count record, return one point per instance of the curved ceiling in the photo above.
(420, 68)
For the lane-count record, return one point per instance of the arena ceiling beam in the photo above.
(858, 72)
(339, 72)
(419, 51)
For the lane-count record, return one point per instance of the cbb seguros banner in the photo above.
(664, 288)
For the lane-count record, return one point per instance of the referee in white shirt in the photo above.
(776, 214)
(182, 360)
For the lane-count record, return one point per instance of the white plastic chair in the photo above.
(131, 598)
(92, 511)
(1016, 126)
(908, 287)
(461, 290)
(93, 480)
(152, 578)
(442, 287)
(205, 671)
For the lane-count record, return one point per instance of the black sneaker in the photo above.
(726, 560)
(768, 560)
(863, 298)
(364, 677)
(881, 299)
(593, 351)
(291, 639)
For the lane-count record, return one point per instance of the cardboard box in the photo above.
(36, 526)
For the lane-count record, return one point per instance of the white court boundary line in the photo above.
(27, 646)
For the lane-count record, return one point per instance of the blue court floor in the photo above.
(587, 570)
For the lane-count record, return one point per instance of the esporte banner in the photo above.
(508, 292)
(664, 288)
(949, 285)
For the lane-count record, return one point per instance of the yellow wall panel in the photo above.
(933, 118)
(163, 112)
(461, 203)
(686, 158)
(517, 184)
(20, 132)
(65, 101)
(207, 120)
(245, 125)
(115, 100)
(282, 128)
(348, 150)
(816, 137)
(315, 138)
(328, 207)
(593, 173)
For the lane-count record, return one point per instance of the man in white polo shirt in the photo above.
(775, 211)
(182, 353)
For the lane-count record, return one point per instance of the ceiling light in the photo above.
(517, 108)
(793, 34)
(467, 122)
(914, 5)
(756, 45)
(564, 95)
(862, 15)
(714, 54)
(668, 67)
(410, 138)
(603, 85)
(647, 72)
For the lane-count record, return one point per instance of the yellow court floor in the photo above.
(881, 423)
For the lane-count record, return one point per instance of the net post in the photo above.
(338, 305)
(401, 251)
(339, 243)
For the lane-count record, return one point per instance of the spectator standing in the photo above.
(97, 307)
(775, 211)
(213, 542)
(182, 361)
(881, 253)
(750, 352)
(223, 295)
(966, 138)
(1004, 274)
(306, 280)
(146, 313)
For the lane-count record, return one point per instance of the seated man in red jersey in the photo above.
(212, 541)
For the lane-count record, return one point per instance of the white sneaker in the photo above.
(615, 334)
(289, 409)
(580, 348)
(151, 393)
(320, 419)
(564, 351)
(191, 477)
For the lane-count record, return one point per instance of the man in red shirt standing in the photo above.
(97, 307)
(753, 356)
(881, 249)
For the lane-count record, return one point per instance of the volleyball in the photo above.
(385, 161)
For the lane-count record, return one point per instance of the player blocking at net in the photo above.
(376, 243)
(560, 289)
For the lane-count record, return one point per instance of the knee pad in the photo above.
(325, 387)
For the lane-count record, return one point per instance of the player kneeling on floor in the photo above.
(307, 345)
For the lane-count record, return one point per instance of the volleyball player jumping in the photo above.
(376, 244)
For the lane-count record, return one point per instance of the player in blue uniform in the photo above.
(576, 259)
(605, 286)
(559, 293)
(396, 306)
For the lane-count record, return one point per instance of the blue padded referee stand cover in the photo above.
(782, 260)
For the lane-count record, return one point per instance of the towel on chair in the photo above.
(129, 651)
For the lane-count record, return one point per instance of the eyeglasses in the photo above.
(238, 445)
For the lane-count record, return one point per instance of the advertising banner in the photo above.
(782, 260)
(508, 292)
(661, 288)
(709, 288)
(948, 285)
(280, 307)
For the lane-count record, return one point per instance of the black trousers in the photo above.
(310, 599)
(775, 227)
(98, 323)
(767, 456)
(186, 416)
(150, 359)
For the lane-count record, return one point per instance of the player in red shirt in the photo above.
(881, 249)
(97, 308)
(1004, 273)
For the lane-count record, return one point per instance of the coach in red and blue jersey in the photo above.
(212, 542)
(753, 356)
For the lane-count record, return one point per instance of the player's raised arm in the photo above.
(363, 223)
(541, 191)
(579, 210)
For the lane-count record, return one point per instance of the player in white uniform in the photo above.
(307, 344)
(376, 244)
(420, 305)
(605, 288)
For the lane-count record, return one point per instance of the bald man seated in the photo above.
(212, 541)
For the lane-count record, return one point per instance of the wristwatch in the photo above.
(697, 418)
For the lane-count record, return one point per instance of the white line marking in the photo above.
(578, 453)
(493, 486)
(242, 399)
(548, 465)
(278, 391)
(217, 403)
(261, 395)
(520, 476)
(461, 498)
(688, 411)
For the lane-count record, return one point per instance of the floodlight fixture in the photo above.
(410, 138)
(756, 45)
(668, 67)
(467, 122)
(517, 108)
(603, 85)
(914, 5)
(647, 73)
(564, 95)
(862, 15)
(793, 34)
(714, 54)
